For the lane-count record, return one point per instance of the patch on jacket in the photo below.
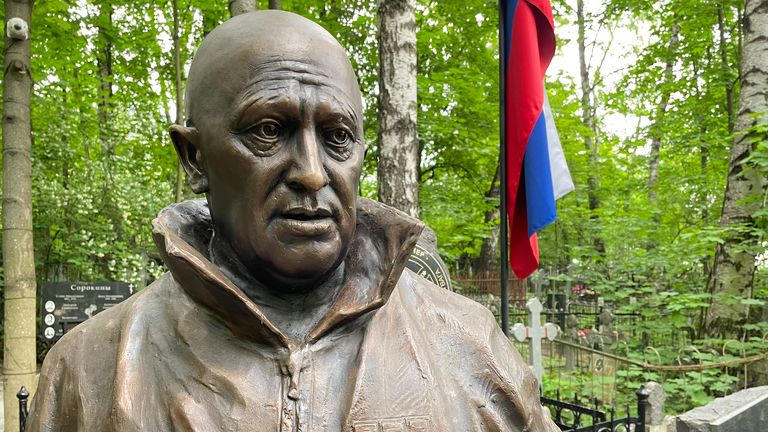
(400, 424)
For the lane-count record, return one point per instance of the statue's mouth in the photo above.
(307, 214)
(306, 222)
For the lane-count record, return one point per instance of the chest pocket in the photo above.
(400, 424)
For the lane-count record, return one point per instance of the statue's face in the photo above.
(280, 149)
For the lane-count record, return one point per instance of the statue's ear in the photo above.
(186, 141)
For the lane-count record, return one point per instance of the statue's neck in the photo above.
(294, 307)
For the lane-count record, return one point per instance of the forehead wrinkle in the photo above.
(284, 92)
(271, 97)
(278, 92)
(269, 92)
(293, 70)
(346, 109)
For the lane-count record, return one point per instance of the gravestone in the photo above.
(572, 335)
(655, 420)
(654, 414)
(603, 370)
(743, 411)
(534, 333)
(67, 304)
(557, 304)
(606, 318)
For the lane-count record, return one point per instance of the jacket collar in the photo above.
(184, 231)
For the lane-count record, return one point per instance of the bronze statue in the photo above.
(286, 307)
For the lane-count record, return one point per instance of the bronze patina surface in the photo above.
(287, 306)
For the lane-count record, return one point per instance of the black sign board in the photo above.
(67, 304)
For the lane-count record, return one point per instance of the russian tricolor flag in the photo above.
(536, 170)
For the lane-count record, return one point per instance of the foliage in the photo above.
(99, 180)
(659, 252)
(458, 119)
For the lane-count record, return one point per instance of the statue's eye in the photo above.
(263, 138)
(268, 130)
(338, 137)
(338, 141)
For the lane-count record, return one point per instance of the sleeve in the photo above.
(51, 409)
(75, 387)
(479, 367)
(514, 403)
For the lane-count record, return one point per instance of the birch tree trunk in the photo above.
(488, 260)
(398, 171)
(105, 108)
(18, 255)
(734, 265)
(179, 95)
(653, 165)
(723, 48)
(590, 141)
(104, 62)
(238, 7)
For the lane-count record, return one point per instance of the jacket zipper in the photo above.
(292, 365)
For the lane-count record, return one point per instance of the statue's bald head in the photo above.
(263, 45)
(276, 143)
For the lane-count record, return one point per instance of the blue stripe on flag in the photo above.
(539, 196)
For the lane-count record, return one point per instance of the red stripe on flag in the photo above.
(523, 250)
(545, 9)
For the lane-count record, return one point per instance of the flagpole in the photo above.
(503, 237)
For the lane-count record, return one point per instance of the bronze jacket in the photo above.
(192, 353)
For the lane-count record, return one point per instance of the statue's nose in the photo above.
(307, 172)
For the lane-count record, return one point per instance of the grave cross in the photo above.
(534, 333)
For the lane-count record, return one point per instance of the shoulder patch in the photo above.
(424, 263)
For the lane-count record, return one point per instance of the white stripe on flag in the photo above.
(561, 176)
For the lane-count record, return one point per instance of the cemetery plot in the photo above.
(574, 417)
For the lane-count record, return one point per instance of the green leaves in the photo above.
(93, 209)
